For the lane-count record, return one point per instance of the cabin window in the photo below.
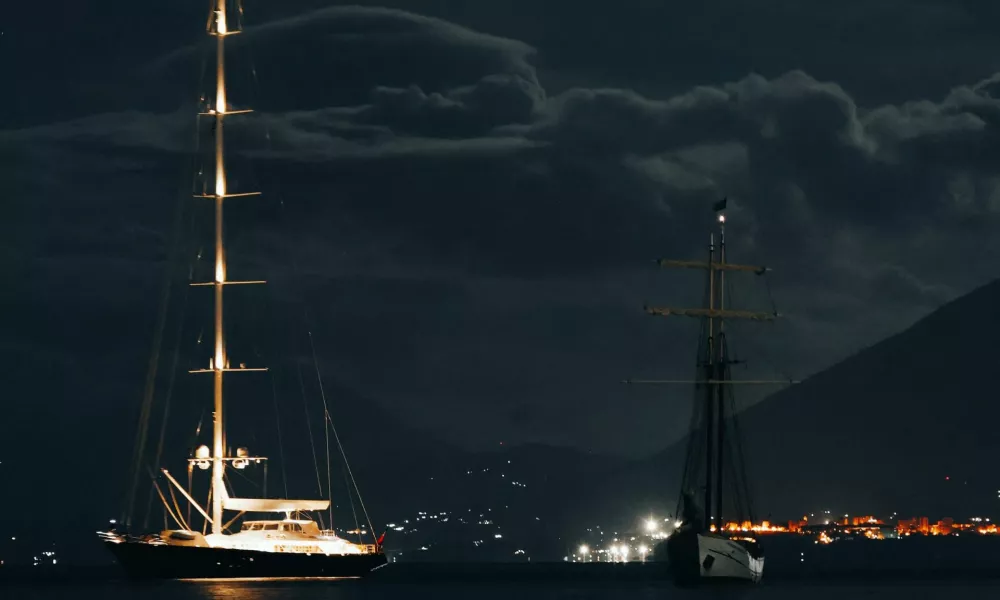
(271, 527)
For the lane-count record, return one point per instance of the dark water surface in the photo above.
(362, 590)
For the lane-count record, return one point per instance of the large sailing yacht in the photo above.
(292, 546)
(701, 549)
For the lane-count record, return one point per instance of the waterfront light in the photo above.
(651, 525)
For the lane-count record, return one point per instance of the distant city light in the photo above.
(651, 525)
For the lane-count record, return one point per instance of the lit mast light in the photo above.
(221, 20)
(221, 31)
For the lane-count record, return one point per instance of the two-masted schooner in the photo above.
(714, 478)
(291, 545)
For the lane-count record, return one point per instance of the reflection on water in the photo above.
(327, 590)
(359, 590)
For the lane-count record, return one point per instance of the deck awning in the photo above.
(273, 505)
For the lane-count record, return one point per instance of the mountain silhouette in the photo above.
(907, 426)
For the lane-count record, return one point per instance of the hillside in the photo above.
(907, 425)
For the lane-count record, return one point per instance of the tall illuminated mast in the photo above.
(219, 364)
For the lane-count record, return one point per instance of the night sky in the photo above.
(466, 197)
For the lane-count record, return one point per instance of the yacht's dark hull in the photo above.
(142, 560)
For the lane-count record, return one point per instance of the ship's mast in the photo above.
(219, 362)
(219, 365)
(709, 388)
(713, 374)
(720, 369)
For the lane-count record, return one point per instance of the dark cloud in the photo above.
(475, 244)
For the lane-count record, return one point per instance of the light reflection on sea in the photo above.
(358, 590)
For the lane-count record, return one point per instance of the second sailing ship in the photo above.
(714, 481)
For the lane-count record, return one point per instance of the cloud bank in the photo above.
(481, 246)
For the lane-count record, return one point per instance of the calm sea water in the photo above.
(350, 590)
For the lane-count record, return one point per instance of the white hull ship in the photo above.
(290, 547)
(697, 557)
(701, 550)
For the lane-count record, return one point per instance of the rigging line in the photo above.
(770, 297)
(742, 459)
(255, 88)
(142, 434)
(692, 458)
(166, 507)
(172, 378)
(734, 468)
(255, 91)
(250, 171)
(312, 442)
(139, 449)
(759, 350)
(177, 506)
(180, 327)
(343, 454)
(255, 99)
(204, 522)
(326, 430)
(347, 465)
(197, 430)
(739, 464)
(295, 267)
(175, 359)
(247, 479)
(350, 499)
(281, 444)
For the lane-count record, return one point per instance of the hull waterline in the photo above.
(152, 561)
